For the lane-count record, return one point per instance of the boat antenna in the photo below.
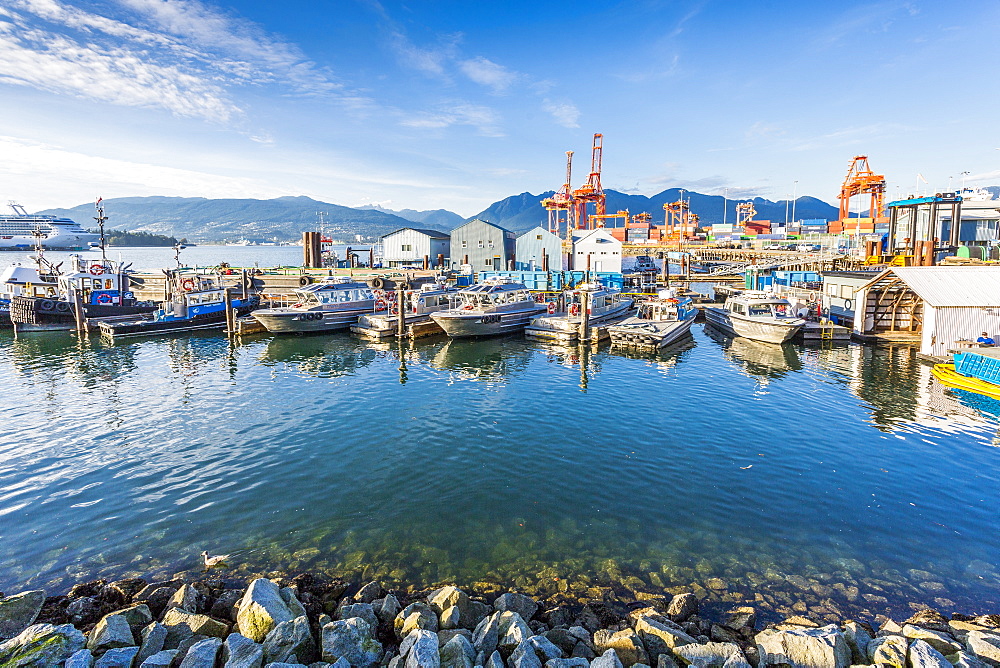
(101, 219)
(177, 253)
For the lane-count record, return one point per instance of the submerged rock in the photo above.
(41, 645)
(19, 611)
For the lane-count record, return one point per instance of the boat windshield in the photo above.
(771, 309)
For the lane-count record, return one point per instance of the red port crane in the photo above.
(560, 205)
(591, 191)
(861, 179)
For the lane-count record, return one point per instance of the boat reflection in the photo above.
(323, 356)
(765, 360)
(471, 359)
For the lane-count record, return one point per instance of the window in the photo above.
(489, 260)
(538, 236)
(407, 247)
(846, 292)
(491, 243)
(465, 244)
(831, 289)
(481, 243)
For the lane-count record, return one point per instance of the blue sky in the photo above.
(457, 104)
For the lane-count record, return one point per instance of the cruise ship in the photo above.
(18, 232)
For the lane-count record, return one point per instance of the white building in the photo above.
(534, 246)
(410, 245)
(604, 250)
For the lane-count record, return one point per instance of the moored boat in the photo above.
(659, 321)
(418, 305)
(333, 304)
(975, 370)
(496, 306)
(20, 281)
(604, 305)
(756, 315)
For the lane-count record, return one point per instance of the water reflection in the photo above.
(495, 361)
(321, 356)
(767, 361)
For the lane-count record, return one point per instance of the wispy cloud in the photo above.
(565, 113)
(484, 119)
(487, 73)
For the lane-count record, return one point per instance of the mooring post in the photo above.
(584, 332)
(230, 314)
(400, 320)
(79, 314)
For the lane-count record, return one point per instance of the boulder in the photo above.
(19, 611)
(261, 609)
(458, 653)
(682, 606)
(659, 637)
(450, 618)
(112, 631)
(84, 611)
(153, 637)
(965, 660)
(929, 619)
(495, 661)
(519, 603)
(226, 606)
(41, 645)
(162, 659)
(415, 616)
(944, 643)
(82, 659)
(487, 634)
(512, 631)
(857, 638)
(576, 662)
(362, 610)
(607, 660)
(122, 591)
(119, 657)
(712, 655)
(823, 647)
(202, 654)
(369, 593)
(421, 650)
(354, 640)
(627, 644)
(187, 598)
(923, 655)
(156, 596)
(291, 599)
(138, 616)
(986, 646)
(888, 651)
(446, 635)
(386, 608)
(240, 652)
(181, 624)
(290, 642)
(562, 639)
(524, 657)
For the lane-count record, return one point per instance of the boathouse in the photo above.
(941, 307)
(483, 245)
(409, 246)
(604, 250)
(538, 250)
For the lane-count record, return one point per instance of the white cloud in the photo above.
(484, 119)
(487, 73)
(565, 113)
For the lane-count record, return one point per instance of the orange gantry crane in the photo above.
(591, 191)
(745, 211)
(860, 180)
(560, 205)
(679, 222)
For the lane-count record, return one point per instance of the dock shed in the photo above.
(937, 306)
(604, 250)
(483, 245)
(534, 246)
(410, 245)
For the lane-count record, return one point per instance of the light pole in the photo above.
(725, 202)
(795, 189)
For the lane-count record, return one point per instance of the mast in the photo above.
(101, 219)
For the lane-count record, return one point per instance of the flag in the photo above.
(100, 199)
(921, 177)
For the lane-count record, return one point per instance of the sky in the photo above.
(455, 105)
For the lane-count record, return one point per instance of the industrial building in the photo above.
(604, 250)
(538, 249)
(482, 245)
(411, 246)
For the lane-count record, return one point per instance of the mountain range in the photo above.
(285, 218)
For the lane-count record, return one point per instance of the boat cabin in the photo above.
(333, 291)
(20, 281)
(666, 310)
(494, 293)
(759, 305)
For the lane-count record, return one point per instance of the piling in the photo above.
(545, 261)
(79, 315)
(587, 275)
(584, 332)
(440, 261)
(244, 288)
(230, 313)
(427, 262)
(400, 320)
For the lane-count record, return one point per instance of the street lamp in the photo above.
(795, 187)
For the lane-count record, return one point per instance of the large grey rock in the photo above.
(386, 608)
(238, 651)
(82, 659)
(458, 653)
(658, 637)
(112, 631)
(138, 616)
(202, 654)
(289, 642)
(986, 646)
(41, 645)
(607, 660)
(291, 600)
(942, 642)
(226, 606)
(513, 631)
(421, 650)
(923, 655)
(187, 598)
(712, 655)
(888, 651)
(261, 609)
(966, 660)
(369, 593)
(823, 647)
(162, 659)
(19, 611)
(416, 615)
(857, 638)
(455, 609)
(363, 610)
(574, 662)
(354, 640)
(153, 637)
(627, 644)
(119, 657)
(487, 634)
(182, 624)
(682, 606)
(519, 603)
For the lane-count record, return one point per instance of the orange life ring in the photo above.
(394, 310)
(552, 308)
(104, 298)
(379, 304)
(467, 307)
(96, 269)
(188, 284)
(574, 309)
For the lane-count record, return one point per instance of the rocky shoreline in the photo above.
(308, 621)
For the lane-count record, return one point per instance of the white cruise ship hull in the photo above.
(768, 331)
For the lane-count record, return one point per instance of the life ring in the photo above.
(379, 294)
(551, 308)
(394, 310)
(379, 304)
(96, 269)
(574, 309)
(848, 304)
(467, 307)
(188, 284)
(104, 298)
(304, 281)
(539, 298)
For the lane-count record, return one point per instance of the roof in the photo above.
(434, 234)
(535, 230)
(582, 235)
(482, 222)
(950, 286)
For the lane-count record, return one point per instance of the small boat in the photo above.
(604, 305)
(495, 306)
(196, 301)
(102, 286)
(975, 370)
(21, 281)
(334, 303)
(759, 316)
(948, 376)
(417, 308)
(658, 322)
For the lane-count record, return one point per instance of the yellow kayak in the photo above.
(948, 376)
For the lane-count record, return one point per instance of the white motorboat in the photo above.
(417, 308)
(761, 316)
(604, 305)
(658, 322)
(496, 306)
(334, 303)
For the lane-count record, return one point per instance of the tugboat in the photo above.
(658, 322)
(604, 305)
(20, 281)
(196, 301)
(756, 315)
(334, 303)
(496, 306)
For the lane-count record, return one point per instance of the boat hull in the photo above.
(151, 327)
(299, 321)
(469, 324)
(773, 331)
(37, 314)
(948, 376)
(647, 334)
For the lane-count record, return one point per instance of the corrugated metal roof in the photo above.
(434, 234)
(954, 286)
